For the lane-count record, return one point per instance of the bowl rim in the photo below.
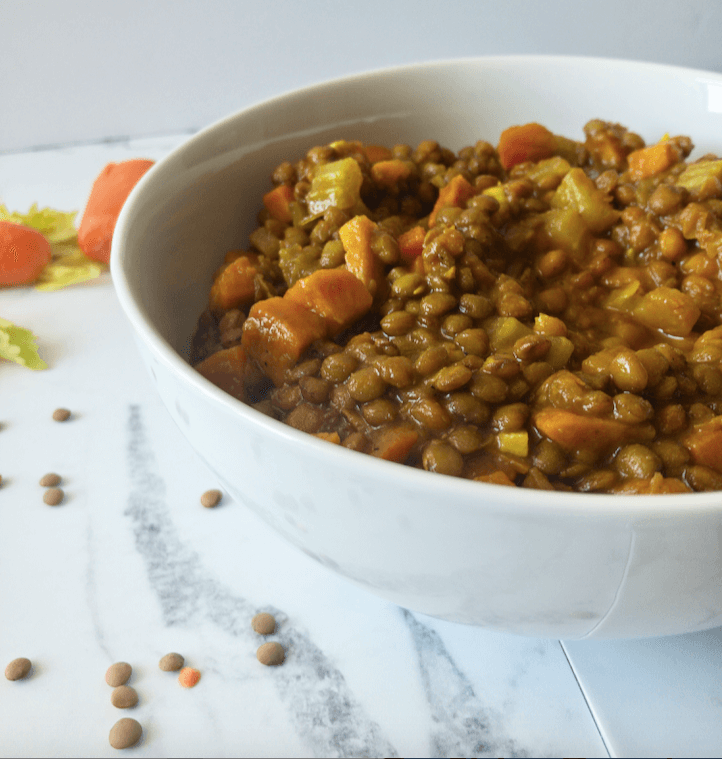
(519, 500)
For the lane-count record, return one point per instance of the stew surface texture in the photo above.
(546, 313)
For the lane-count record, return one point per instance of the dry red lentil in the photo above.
(551, 320)
(189, 677)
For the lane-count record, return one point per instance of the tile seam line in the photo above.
(586, 701)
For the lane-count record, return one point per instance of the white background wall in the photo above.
(83, 70)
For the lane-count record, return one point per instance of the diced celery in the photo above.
(560, 351)
(566, 229)
(702, 179)
(504, 331)
(579, 193)
(622, 298)
(514, 443)
(336, 184)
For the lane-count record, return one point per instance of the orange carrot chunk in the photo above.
(107, 196)
(356, 236)
(336, 295)
(456, 193)
(277, 203)
(235, 284)
(376, 153)
(528, 142)
(651, 160)
(394, 443)
(226, 369)
(389, 173)
(411, 243)
(574, 431)
(24, 253)
(276, 333)
(704, 443)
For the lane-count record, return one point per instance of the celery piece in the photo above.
(703, 179)
(296, 262)
(560, 351)
(18, 344)
(566, 229)
(336, 184)
(579, 193)
(514, 443)
(549, 172)
(504, 331)
(622, 298)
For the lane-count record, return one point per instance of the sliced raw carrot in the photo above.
(277, 203)
(528, 142)
(389, 173)
(276, 333)
(356, 236)
(24, 253)
(651, 160)
(704, 443)
(411, 243)
(394, 443)
(334, 294)
(376, 153)
(226, 370)
(107, 196)
(235, 284)
(495, 478)
(456, 193)
(573, 431)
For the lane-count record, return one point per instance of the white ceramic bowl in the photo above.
(531, 562)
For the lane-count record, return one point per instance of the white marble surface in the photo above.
(130, 567)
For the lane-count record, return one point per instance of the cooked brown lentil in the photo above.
(555, 322)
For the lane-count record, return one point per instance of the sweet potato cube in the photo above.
(276, 333)
(388, 173)
(334, 294)
(394, 443)
(235, 284)
(651, 160)
(277, 202)
(226, 369)
(526, 142)
(356, 236)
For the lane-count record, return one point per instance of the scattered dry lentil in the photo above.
(118, 674)
(53, 496)
(18, 668)
(124, 697)
(271, 654)
(50, 480)
(171, 662)
(264, 623)
(61, 415)
(211, 498)
(125, 733)
(189, 677)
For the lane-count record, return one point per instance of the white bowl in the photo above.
(561, 565)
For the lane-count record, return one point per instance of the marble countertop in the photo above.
(130, 567)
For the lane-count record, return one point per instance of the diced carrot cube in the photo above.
(276, 333)
(411, 243)
(574, 431)
(376, 153)
(235, 284)
(226, 370)
(528, 142)
(389, 173)
(356, 236)
(277, 203)
(651, 160)
(394, 443)
(456, 193)
(334, 294)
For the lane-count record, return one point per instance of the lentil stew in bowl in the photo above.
(545, 313)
